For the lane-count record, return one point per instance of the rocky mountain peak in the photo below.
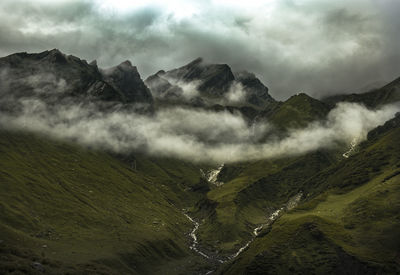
(195, 62)
(214, 83)
(160, 72)
(215, 79)
(56, 56)
(257, 91)
(126, 64)
(93, 63)
(121, 83)
(126, 79)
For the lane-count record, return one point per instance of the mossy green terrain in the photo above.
(352, 227)
(251, 194)
(296, 112)
(81, 211)
(69, 209)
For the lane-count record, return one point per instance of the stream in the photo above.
(293, 202)
(353, 146)
(194, 245)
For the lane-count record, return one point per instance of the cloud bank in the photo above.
(314, 46)
(194, 135)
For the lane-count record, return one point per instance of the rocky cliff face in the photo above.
(258, 93)
(125, 79)
(215, 79)
(212, 83)
(54, 75)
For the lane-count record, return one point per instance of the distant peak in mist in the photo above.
(198, 112)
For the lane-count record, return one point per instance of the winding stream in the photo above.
(293, 202)
(194, 245)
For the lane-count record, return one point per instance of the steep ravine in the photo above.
(212, 175)
(216, 260)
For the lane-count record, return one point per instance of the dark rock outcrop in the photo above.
(125, 79)
(213, 83)
(53, 75)
(162, 88)
(389, 93)
(215, 79)
(258, 93)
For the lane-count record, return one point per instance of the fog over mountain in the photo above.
(199, 137)
(314, 46)
(47, 103)
(193, 135)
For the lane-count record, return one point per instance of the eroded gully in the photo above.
(293, 201)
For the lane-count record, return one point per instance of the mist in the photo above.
(194, 135)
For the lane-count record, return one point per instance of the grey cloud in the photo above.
(192, 135)
(319, 47)
(189, 134)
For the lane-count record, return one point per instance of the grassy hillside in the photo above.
(351, 226)
(125, 212)
(68, 209)
(252, 192)
(296, 112)
(64, 208)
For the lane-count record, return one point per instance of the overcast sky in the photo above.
(315, 46)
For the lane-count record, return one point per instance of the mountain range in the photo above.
(72, 206)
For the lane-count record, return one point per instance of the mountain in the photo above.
(296, 112)
(162, 88)
(215, 83)
(215, 78)
(389, 93)
(257, 93)
(52, 74)
(125, 79)
(69, 208)
(348, 225)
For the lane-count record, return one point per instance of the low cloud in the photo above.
(188, 89)
(236, 94)
(190, 134)
(46, 83)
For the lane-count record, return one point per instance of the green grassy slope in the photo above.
(80, 211)
(77, 210)
(138, 199)
(254, 191)
(351, 226)
(296, 112)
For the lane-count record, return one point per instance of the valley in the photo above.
(104, 173)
